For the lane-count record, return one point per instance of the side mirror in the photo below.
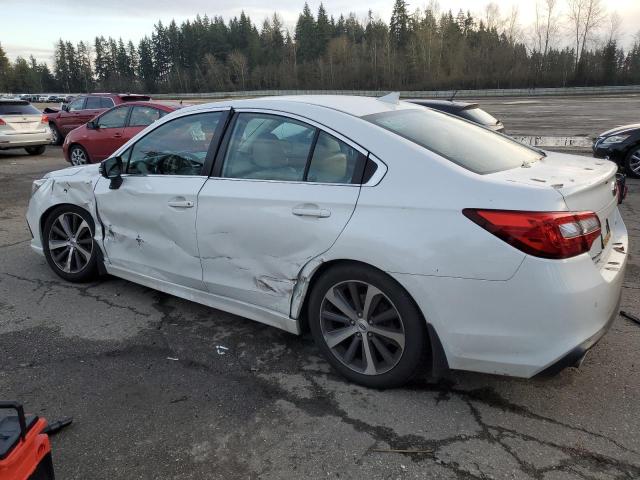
(93, 125)
(111, 168)
(65, 107)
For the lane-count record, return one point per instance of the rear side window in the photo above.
(268, 147)
(143, 116)
(93, 103)
(106, 102)
(470, 146)
(18, 108)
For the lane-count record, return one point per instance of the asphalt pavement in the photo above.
(162, 388)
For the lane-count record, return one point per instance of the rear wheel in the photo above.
(39, 150)
(56, 136)
(367, 326)
(68, 243)
(78, 155)
(632, 164)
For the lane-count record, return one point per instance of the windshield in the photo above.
(18, 108)
(479, 116)
(470, 146)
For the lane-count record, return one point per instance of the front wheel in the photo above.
(78, 155)
(632, 164)
(367, 326)
(68, 244)
(39, 150)
(56, 136)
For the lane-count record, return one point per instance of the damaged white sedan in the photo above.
(403, 238)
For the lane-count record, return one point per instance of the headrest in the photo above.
(268, 152)
(331, 169)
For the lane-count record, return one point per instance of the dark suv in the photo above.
(83, 108)
(621, 145)
(468, 111)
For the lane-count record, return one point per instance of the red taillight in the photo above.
(44, 119)
(2, 122)
(542, 234)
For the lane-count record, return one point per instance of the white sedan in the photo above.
(403, 238)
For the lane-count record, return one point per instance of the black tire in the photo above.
(634, 152)
(90, 270)
(39, 150)
(413, 357)
(78, 155)
(56, 137)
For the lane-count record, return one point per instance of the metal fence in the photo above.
(508, 92)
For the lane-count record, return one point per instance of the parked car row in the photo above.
(45, 98)
(519, 273)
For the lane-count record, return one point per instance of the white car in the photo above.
(403, 238)
(23, 126)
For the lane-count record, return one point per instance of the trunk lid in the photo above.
(22, 123)
(586, 184)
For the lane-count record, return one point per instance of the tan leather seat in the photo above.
(270, 160)
(329, 164)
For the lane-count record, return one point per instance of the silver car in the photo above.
(23, 126)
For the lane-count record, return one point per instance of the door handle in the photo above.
(117, 135)
(180, 203)
(311, 212)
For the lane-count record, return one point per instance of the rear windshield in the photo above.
(479, 116)
(470, 146)
(18, 108)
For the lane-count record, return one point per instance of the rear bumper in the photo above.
(549, 313)
(25, 139)
(575, 356)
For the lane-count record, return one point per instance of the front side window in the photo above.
(333, 161)
(114, 118)
(143, 116)
(268, 147)
(77, 104)
(470, 146)
(179, 147)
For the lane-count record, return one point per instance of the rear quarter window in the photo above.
(470, 146)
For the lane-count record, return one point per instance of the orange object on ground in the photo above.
(25, 451)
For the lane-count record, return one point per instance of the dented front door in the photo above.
(149, 225)
(255, 236)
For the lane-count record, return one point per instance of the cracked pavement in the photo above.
(154, 396)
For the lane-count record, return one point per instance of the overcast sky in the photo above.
(31, 27)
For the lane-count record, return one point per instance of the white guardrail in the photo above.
(508, 92)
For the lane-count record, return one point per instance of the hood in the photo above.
(621, 129)
(85, 170)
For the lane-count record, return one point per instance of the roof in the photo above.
(357, 106)
(14, 101)
(152, 103)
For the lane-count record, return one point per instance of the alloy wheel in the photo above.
(54, 135)
(78, 156)
(70, 242)
(362, 327)
(634, 162)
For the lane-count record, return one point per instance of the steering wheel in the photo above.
(174, 163)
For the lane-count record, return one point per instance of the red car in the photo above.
(100, 137)
(83, 108)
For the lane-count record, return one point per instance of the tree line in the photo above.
(420, 50)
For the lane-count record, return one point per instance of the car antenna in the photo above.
(453, 95)
(392, 98)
